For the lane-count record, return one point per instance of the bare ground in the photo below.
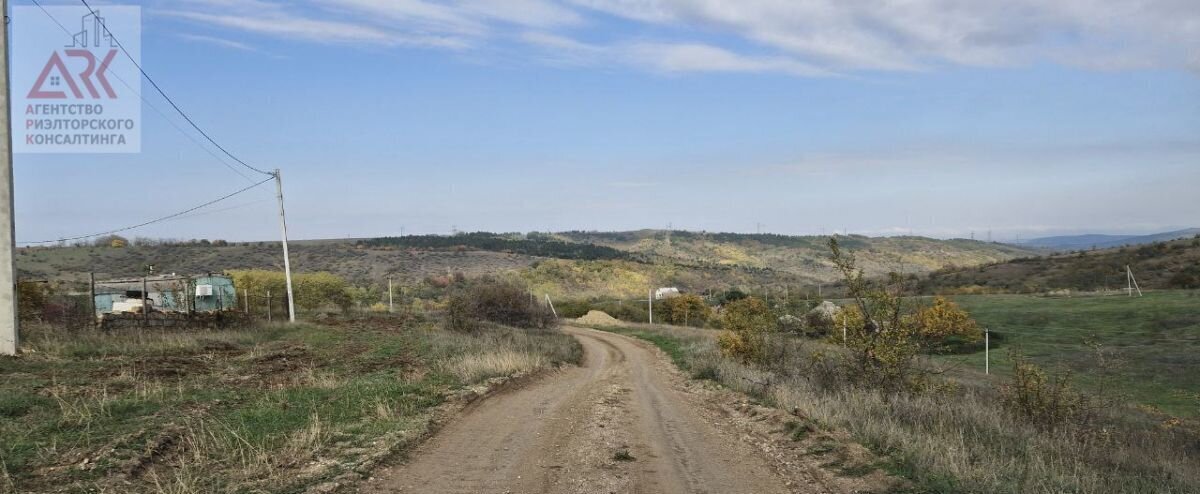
(625, 421)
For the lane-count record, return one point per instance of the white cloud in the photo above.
(695, 57)
(663, 57)
(213, 40)
(890, 35)
(797, 37)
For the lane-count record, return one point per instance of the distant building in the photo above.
(169, 293)
(665, 293)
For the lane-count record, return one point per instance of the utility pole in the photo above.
(9, 326)
(650, 306)
(287, 263)
(1132, 282)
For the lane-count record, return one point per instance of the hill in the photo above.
(803, 256)
(579, 263)
(1161, 265)
(1100, 241)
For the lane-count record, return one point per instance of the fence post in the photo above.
(987, 351)
(268, 306)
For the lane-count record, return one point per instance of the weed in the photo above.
(623, 455)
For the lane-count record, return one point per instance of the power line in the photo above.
(168, 98)
(151, 105)
(156, 220)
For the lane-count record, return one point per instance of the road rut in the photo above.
(618, 423)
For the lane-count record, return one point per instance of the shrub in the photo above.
(882, 337)
(31, 300)
(746, 322)
(685, 310)
(1186, 278)
(312, 290)
(497, 301)
(944, 325)
(1044, 401)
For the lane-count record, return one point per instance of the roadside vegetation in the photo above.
(268, 408)
(947, 429)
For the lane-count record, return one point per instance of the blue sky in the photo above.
(936, 117)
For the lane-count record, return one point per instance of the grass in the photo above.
(265, 409)
(956, 440)
(1149, 347)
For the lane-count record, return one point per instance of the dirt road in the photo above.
(621, 422)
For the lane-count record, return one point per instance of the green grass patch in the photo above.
(1149, 347)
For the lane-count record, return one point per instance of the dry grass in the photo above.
(264, 409)
(476, 368)
(960, 439)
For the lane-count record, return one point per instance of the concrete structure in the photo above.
(169, 293)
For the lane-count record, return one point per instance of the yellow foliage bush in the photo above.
(312, 290)
(746, 322)
(685, 310)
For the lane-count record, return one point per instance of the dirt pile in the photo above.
(599, 318)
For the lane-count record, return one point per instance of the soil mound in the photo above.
(599, 318)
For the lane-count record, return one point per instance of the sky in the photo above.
(943, 118)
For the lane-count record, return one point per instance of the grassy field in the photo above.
(264, 409)
(1145, 349)
(958, 439)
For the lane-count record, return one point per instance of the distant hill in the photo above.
(1159, 265)
(573, 263)
(1100, 241)
(804, 256)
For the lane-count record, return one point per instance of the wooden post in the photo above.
(246, 295)
(268, 306)
(391, 305)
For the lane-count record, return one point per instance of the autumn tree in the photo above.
(746, 323)
(944, 324)
(685, 310)
(882, 338)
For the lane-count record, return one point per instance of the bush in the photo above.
(944, 326)
(31, 300)
(313, 291)
(747, 322)
(491, 300)
(880, 333)
(1045, 402)
(685, 310)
